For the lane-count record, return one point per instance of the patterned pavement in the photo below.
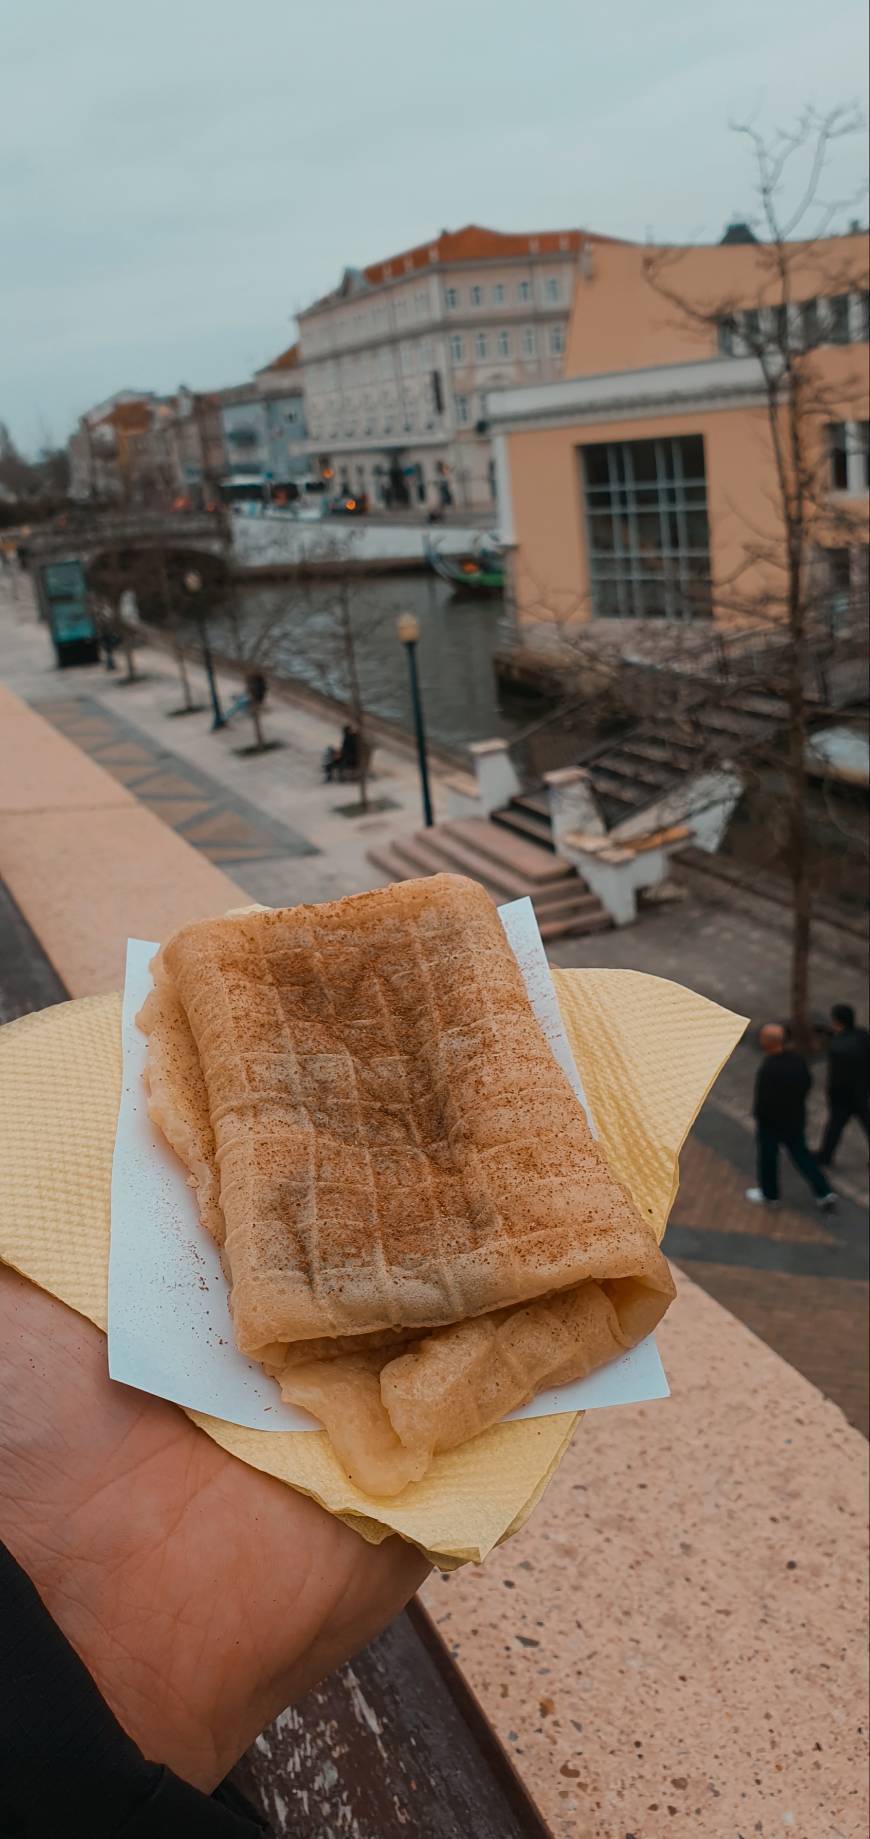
(225, 827)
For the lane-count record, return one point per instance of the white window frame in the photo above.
(498, 294)
(856, 443)
(557, 341)
(451, 298)
(475, 296)
(481, 346)
(504, 343)
(529, 342)
(524, 291)
(552, 290)
(462, 406)
(457, 348)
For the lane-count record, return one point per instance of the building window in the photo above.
(504, 344)
(752, 329)
(475, 295)
(421, 303)
(838, 319)
(839, 456)
(457, 348)
(649, 541)
(463, 410)
(557, 340)
(862, 329)
(861, 449)
(840, 578)
(849, 450)
(552, 290)
(726, 335)
(498, 294)
(524, 290)
(481, 345)
(810, 324)
(530, 342)
(451, 298)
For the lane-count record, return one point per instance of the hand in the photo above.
(202, 1596)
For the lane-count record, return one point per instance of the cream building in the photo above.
(397, 364)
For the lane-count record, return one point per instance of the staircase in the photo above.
(508, 866)
(633, 771)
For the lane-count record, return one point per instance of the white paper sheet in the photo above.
(169, 1325)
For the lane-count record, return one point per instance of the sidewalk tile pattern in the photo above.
(226, 828)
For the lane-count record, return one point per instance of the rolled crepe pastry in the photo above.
(418, 1229)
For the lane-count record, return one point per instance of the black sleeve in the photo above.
(66, 1766)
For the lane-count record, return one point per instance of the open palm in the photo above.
(202, 1595)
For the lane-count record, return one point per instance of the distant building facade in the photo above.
(103, 450)
(397, 364)
(141, 448)
(264, 425)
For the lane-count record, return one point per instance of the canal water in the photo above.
(297, 628)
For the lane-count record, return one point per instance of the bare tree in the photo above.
(779, 615)
(111, 583)
(317, 627)
(784, 333)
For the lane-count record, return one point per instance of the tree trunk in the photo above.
(181, 661)
(798, 822)
(801, 884)
(259, 737)
(175, 641)
(355, 699)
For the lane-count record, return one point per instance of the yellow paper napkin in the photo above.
(648, 1052)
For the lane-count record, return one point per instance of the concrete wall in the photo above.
(550, 567)
(549, 515)
(278, 540)
(620, 321)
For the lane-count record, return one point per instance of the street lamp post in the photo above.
(193, 583)
(408, 632)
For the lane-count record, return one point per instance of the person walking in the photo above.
(848, 1080)
(779, 1108)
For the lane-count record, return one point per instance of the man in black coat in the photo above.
(848, 1080)
(780, 1110)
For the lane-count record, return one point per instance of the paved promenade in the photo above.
(269, 821)
(674, 1642)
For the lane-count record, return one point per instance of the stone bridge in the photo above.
(83, 538)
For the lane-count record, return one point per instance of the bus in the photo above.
(250, 494)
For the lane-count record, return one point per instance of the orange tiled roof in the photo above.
(287, 360)
(130, 417)
(474, 243)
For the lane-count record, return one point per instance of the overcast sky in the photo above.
(177, 177)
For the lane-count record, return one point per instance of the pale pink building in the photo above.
(398, 362)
